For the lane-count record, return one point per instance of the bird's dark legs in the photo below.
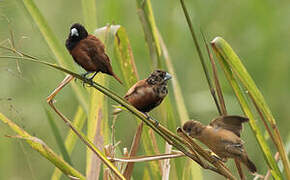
(92, 77)
(156, 123)
(85, 74)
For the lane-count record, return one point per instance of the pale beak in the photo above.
(167, 76)
(74, 32)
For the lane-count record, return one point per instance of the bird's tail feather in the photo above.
(117, 78)
(251, 166)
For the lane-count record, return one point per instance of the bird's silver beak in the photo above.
(167, 76)
(74, 32)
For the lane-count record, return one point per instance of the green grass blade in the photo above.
(238, 68)
(124, 55)
(58, 50)
(43, 149)
(58, 137)
(71, 138)
(145, 12)
(221, 55)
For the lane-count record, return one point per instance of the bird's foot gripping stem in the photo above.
(88, 79)
(156, 122)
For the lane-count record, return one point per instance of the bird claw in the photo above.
(84, 75)
(88, 80)
(156, 122)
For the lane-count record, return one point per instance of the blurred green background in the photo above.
(257, 30)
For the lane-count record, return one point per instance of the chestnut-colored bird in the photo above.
(88, 52)
(222, 136)
(148, 93)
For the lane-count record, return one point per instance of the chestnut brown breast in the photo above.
(143, 96)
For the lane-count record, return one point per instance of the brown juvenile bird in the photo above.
(88, 52)
(148, 93)
(222, 136)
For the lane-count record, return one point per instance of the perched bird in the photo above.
(148, 93)
(222, 136)
(88, 51)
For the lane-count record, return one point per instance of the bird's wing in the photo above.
(97, 53)
(236, 149)
(134, 88)
(81, 56)
(232, 123)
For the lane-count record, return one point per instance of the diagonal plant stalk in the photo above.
(233, 61)
(85, 140)
(58, 50)
(170, 137)
(217, 44)
(43, 149)
(71, 138)
(220, 103)
(58, 137)
(198, 49)
(148, 158)
(145, 12)
(133, 150)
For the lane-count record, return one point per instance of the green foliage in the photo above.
(43, 149)
(258, 42)
(232, 66)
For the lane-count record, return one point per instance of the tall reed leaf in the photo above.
(225, 55)
(145, 12)
(238, 68)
